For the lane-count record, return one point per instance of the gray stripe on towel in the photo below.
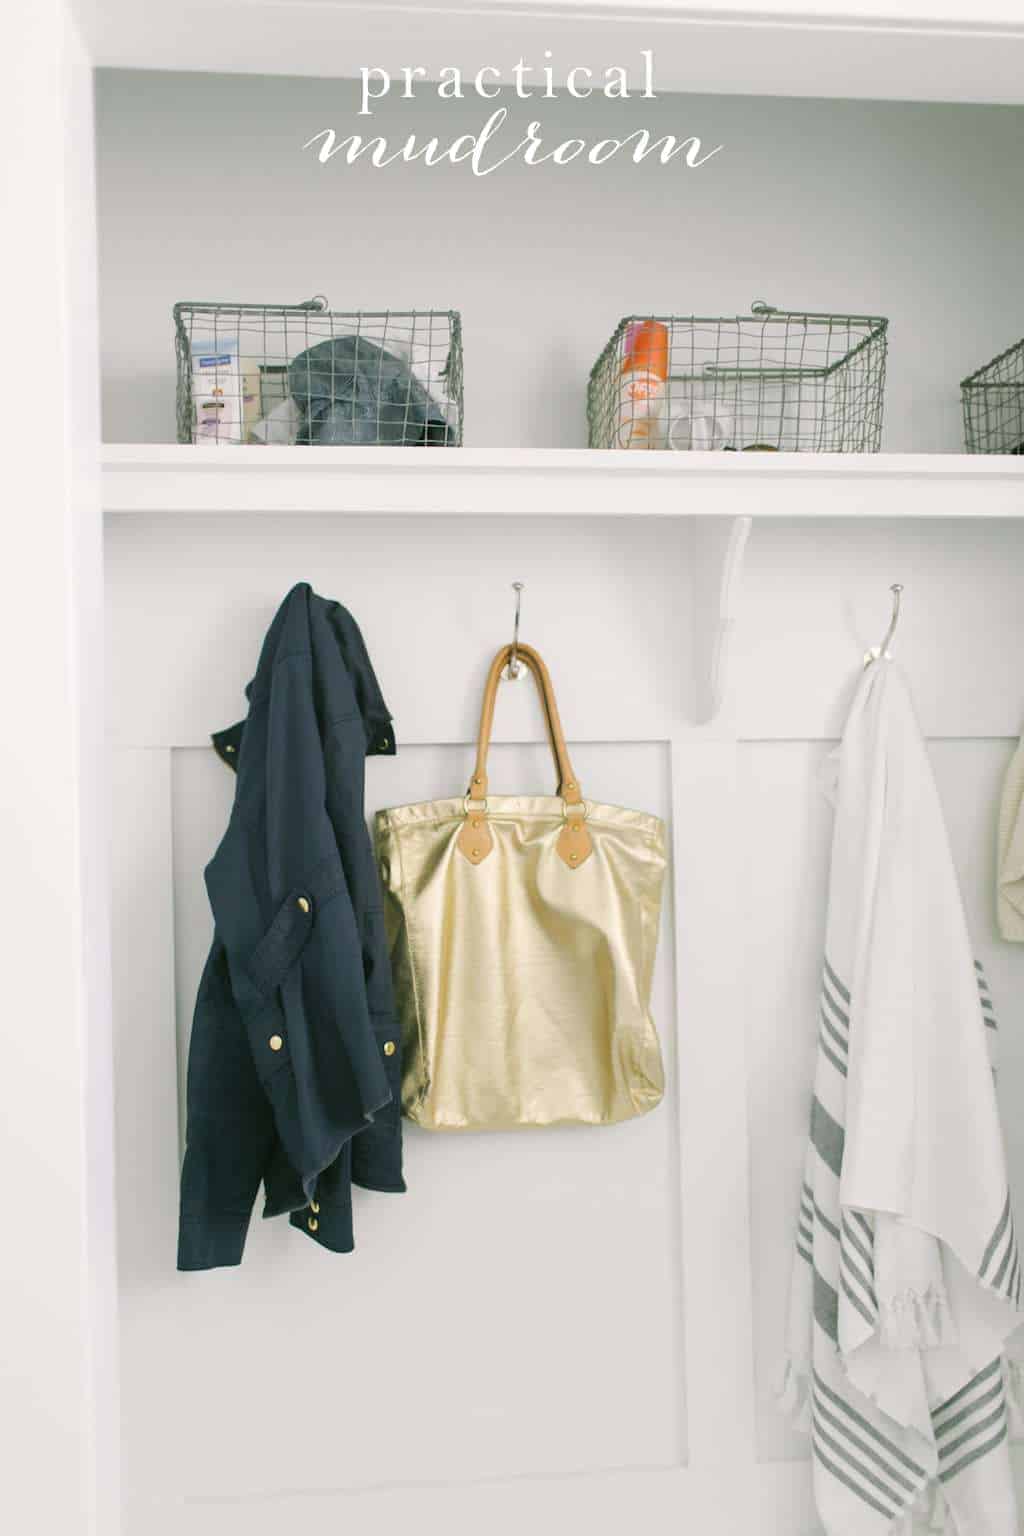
(981, 1428)
(974, 1456)
(856, 1302)
(830, 1466)
(857, 1418)
(976, 1381)
(839, 1014)
(836, 1036)
(830, 1054)
(828, 1137)
(834, 979)
(1011, 1248)
(826, 1307)
(865, 1226)
(830, 1226)
(854, 1465)
(822, 1410)
(994, 1240)
(862, 1248)
(993, 1395)
(855, 1273)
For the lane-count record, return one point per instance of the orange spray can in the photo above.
(642, 385)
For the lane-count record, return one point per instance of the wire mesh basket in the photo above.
(773, 380)
(993, 401)
(303, 373)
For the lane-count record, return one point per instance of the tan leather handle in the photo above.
(568, 784)
(573, 844)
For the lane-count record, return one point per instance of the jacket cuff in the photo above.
(211, 1242)
(282, 1187)
(228, 744)
(380, 735)
(329, 1230)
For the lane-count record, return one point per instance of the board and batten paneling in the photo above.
(516, 1314)
(516, 1325)
(190, 604)
(815, 598)
(553, 1330)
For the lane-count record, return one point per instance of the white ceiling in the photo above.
(915, 50)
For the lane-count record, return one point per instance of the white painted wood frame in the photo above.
(59, 1391)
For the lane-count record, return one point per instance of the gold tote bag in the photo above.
(523, 930)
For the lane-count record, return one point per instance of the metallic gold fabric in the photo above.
(523, 985)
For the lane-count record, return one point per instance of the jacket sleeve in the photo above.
(282, 906)
(230, 1134)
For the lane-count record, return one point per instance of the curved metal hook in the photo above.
(514, 668)
(878, 652)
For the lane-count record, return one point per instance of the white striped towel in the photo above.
(907, 1277)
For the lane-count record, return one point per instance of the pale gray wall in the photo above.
(912, 211)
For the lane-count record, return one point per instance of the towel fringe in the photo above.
(930, 1513)
(914, 1321)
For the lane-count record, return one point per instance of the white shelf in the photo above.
(166, 478)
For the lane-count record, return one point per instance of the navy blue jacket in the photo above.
(294, 1062)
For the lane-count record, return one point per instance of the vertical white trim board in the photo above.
(58, 1385)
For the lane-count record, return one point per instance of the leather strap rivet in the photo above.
(476, 826)
(573, 857)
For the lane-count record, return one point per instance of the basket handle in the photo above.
(475, 840)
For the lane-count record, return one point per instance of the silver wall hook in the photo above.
(515, 667)
(878, 652)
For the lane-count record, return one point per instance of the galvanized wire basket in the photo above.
(993, 401)
(774, 380)
(306, 374)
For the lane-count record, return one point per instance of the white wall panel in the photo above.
(786, 823)
(588, 1322)
(517, 1313)
(815, 598)
(607, 603)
